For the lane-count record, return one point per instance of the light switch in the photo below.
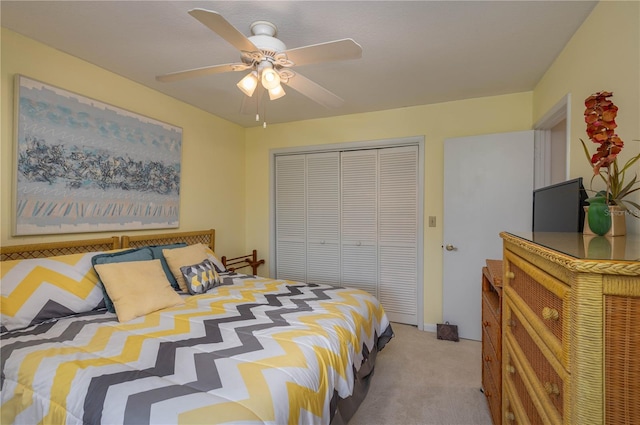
(432, 221)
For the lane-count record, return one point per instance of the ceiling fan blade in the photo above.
(196, 72)
(325, 52)
(313, 91)
(216, 23)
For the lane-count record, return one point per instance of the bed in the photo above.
(245, 349)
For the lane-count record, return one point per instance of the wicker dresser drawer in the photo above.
(491, 391)
(490, 320)
(543, 301)
(534, 400)
(548, 371)
(512, 410)
(518, 405)
(490, 358)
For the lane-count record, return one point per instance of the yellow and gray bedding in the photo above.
(248, 350)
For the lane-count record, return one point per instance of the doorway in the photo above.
(488, 183)
(551, 145)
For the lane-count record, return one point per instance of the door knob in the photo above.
(451, 248)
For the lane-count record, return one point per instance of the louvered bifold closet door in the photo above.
(359, 220)
(398, 232)
(290, 218)
(323, 218)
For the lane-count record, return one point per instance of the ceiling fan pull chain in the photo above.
(264, 115)
(258, 106)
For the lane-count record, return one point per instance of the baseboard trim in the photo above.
(430, 327)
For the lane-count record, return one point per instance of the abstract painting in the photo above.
(86, 166)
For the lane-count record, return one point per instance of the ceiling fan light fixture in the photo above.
(276, 93)
(249, 83)
(270, 78)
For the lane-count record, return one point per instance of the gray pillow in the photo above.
(200, 277)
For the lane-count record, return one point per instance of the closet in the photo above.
(351, 218)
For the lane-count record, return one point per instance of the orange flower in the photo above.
(600, 116)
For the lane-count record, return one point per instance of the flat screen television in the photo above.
(559, 207)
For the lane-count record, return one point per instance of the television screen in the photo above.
(559, 207)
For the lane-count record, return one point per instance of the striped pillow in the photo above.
(39, 289)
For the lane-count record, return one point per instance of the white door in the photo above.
(398, 233)
(359, 220)
(291, 232)
(488, 184)
(323, 218)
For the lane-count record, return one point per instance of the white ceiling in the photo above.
(414, 52)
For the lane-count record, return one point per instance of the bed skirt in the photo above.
(344, 408)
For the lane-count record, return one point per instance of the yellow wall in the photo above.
(603, 55)
(212, 189)
(435, 122)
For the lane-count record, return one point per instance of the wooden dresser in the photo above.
(492, 337)
(571, 329)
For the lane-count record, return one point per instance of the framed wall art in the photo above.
(85, 166)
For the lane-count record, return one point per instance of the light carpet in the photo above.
(421, 380)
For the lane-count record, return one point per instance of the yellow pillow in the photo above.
(186, 256)
(214, 259)
(137, 288)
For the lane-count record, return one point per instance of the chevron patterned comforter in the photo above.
(253, 350)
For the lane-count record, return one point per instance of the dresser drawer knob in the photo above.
(549, 313)
(552, 388)
(486, 323)
(509, 416)
(487, 358)
(511, 369)
(510, 275)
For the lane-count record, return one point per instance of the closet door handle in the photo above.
(358, 243)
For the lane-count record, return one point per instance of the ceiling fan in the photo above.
(268, 60)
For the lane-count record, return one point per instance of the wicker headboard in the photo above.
(207, 237)
(50, 249)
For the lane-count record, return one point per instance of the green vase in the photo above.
(598, 215)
